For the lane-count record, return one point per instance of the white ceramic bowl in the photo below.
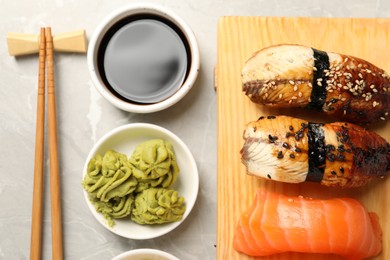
(124, 139)
(134, 9)
(145, 253)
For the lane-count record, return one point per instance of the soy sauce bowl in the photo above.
(118, 64)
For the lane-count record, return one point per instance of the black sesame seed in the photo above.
(348, 150)
(292, 156)
(333, 172)
(254, 129)
(271, 117)
(291, 127)
(304, 125)
(285, 145)
(341, 169)
(288, 134)
(298, 150)
(297, 137)
(329, 148)
(340, 149)
(340, 157)
(280, 155)
(272, 139)
(334, 100)
(338, 134)
(330, 157)
(262, 117)
(269, 176)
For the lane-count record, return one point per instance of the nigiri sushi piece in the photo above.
(276, 223)
(349, 88)
(293, 150)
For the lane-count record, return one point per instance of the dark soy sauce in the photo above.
(143, 59)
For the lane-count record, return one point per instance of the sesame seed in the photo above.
(319, 83)
(346, 59)
(295, 88)
(372, 86)
(343, 99)
(291, 82)
(273, 83)
(382, 118)
(319, 79)
(360, 75)
(265, 95)
(360, 65)
(374, 90)
(374, 104)
(345, 112)
(348, 67)
(386, 113)
(314, 68)
(280, 96)
(293, 97)
(300, 94)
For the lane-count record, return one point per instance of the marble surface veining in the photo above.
(84, 116)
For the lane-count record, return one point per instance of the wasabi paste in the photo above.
(154, 164)
(157, 206)
(138, 187)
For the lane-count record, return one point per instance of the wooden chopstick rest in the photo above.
(24, 44)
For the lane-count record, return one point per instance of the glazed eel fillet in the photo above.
(292, 150)
(349, 88)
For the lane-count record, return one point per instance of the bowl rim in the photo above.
(134, 8)
(134, 252)
(192, 163)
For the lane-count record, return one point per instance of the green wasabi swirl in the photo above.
(155, 164)
(119, 187)
(157, 206)
(118, 207)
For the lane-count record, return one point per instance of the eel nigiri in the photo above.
(347, 87)
(293, 150)
(276, 223)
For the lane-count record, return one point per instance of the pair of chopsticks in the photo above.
(46, 59)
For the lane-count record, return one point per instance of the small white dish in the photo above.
(135, 10)
(124, 139)
(145, 253)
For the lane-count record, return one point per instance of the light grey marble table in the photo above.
(84, 116)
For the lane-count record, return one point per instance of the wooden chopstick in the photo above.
(55, 188)
(36, 222)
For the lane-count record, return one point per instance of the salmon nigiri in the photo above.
(276, 223)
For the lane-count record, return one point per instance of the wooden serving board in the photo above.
(238, 39)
